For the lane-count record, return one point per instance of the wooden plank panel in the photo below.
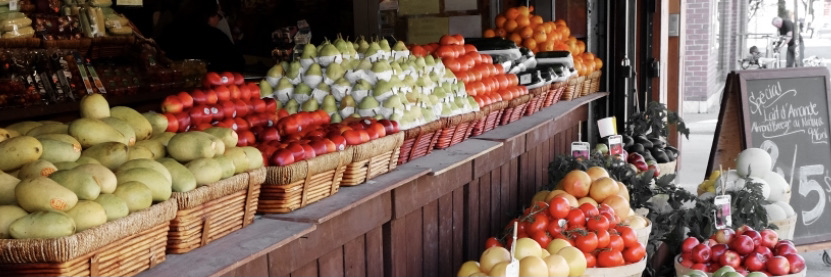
(471, 205)
(506, 191)
(374, 253)
(484, 212)
(496, 207)
(540, 152)
(395, 252)
(514, 184)
(355, 257)
(414, 239)
(459, 230)
(493, 159)
(446, 247)
(430, 237)
(526, 179)
(331, 264)
(425, 189)
(256, 267)
(308, 270)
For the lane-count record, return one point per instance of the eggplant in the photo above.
(647, 155)
(658, 142)
(643, 140)
(628, 141)
(637, 148)
(659, 155)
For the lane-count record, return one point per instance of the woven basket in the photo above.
(587, 86)
(785, 228)
(573, 88)
(630, 270)
(113, 46)
(123, 247)
(490, 118)
(456, 129)
(595, 76)
(20, 43)
(643, 233)
(82, 45)
(515, 110)
(297, 185)
(667, 168)
(554, 94)
(539, 96)
(372, 159)
(214, 211)
(419, 141)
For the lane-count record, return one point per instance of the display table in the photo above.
(422, 219)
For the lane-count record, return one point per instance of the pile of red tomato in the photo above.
(595, 230)
(486, 82)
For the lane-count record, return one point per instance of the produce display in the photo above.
(368, 79)
(590, 216)
(485, 81)
(743, 252)
(57, 179)
(645, 153)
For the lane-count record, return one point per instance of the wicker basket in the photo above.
(785, 228)
(113, 46)
(573, 88)
(515, 110)
(491, 114)
(82, 45)
(297, 185)
(595, 76)
(419, 142)
(554, 94)
(123, 247)
(372, 159)
(630, 270)
(538, 98)
(214, 211)
(456, 129)
(587, 86)
(643, 233)
(667, 168)
(31, 43)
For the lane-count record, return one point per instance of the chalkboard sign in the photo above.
(785, 112)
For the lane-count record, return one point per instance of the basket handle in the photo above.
(93, 265)
(249, 201)
(306, 182)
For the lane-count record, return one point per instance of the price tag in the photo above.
(13, 5)
(525, 79)
(723, 213)
(580, 149)
(512, 270)
(615, 145)
(129, 2)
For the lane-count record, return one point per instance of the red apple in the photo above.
(319, 147)
(270, 105)
(724, 235)
(769, 238)
(687, 256)
(731, 258)
(713, 267)
(743, 229)
(755, 236)
(269, 134)
(227, 78)
(356, 126)
(172, 122)
(391, 127)
(244, 93)
(199, 96)
(688, 244)
(367, 122)
(238, 78)
(364, 136)
(297, 150)
(744, 272)
(784, 249)
(755, 262)
(785, 241)
(717, 251)
(234, 92)
(228, 109)
(353, 137)
(218, 112)
(797, 263)
(372, 133)
(186, 99)
(259, 105)
(212, 79)
(710, 242)
(330, 146)
(172, 104)
(379, 128)
(203, 126)
(316, 134)
(764, 251)
(340, 142)
(199, 114)
(742, 244)
(254, 90)
(222, 93)
(184, 121)
(211, 97)
(246, 138)
(687, 263)
(242, 124)
(242, 108)
(227, 123)
(701, 253)
(308, 151)
(778, 266)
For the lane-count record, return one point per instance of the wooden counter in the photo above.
(425, 218)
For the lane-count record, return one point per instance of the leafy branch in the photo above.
(655, 120)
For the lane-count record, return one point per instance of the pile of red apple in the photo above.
(225, 101)
(306, 135)
(746, 250)
(486, 82)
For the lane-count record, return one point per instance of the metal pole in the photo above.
(797, 35)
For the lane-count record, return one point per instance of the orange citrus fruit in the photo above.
(501, 32)
(489, 33)
(523, 20)
(500, 21)
(511, 25)
(523, 10)
(530, 44)
(516, 38)
(536, 20)
(540, 37)
(511, 13)
(526, 32)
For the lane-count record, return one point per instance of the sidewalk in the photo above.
(695, 153)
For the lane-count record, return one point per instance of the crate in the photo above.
(419, 141)
(123, 247)
(214, 211)
(372, 159)
(288, 188)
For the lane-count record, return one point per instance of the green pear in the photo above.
(309, 51)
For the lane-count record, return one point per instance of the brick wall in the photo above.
(700, 63)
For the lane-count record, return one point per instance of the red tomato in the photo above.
(542, 238)
(610, 259)
(615, 242)
(558, 207)
(628, 235)
(491, 242)
(576, 217)
(597, 223)
(591, 260)
(634, 254)
(586, 243)
(602, 238)
(554, 227)
(448, 40)
(539, 223)
(589, 209)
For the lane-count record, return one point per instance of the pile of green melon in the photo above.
(57, 179)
